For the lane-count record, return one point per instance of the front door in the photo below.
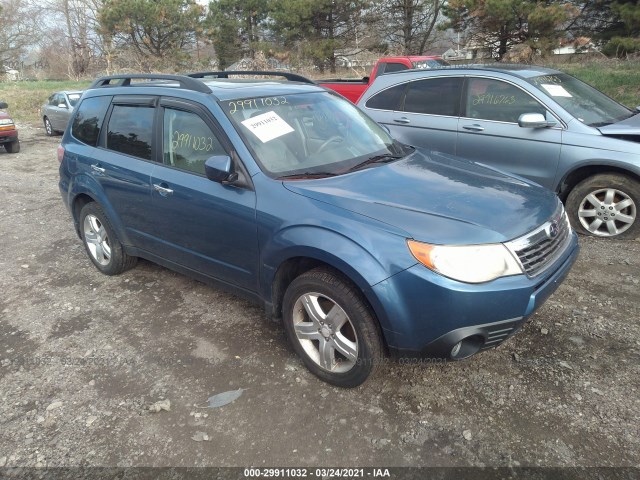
(488, 131)
(198, 223)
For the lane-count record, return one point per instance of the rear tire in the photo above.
(605, 205)
(13, 147)
(331, 327)
(101, 242)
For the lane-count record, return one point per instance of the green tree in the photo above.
(318, 28)
(236, 28)
(159, 29)
(500, 24)
(624, 29)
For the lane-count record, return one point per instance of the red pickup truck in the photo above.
(8, 131)
(353, 89)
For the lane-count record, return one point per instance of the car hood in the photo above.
(438, 198)
(629, 126)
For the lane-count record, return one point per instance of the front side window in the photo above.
(130, 130)
(88, 119)
(188, 141)
(308, 134)
(437, 96)
(584, 102)
(489, 99)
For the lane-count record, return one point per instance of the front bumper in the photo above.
(426, 314)
(8, 136)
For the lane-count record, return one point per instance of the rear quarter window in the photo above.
(388, 99)
(88, 120)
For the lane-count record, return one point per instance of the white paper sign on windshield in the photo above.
(267, 126)
(556, 90)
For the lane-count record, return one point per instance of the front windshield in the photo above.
(584, 102)
(73, 98)
(306, 134)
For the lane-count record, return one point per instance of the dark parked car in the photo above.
(535, 122)
(8, 131)
(289, 195)
(58, 109)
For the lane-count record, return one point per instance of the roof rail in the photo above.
(186, 82)
(292, 77)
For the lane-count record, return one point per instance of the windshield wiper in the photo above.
(384, 158)
(307, 175)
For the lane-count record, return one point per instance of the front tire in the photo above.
(48, 127)
(332, 329)
(101, 243)
(605, 205)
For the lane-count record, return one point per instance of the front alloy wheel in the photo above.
(331, 327)
(605, 206)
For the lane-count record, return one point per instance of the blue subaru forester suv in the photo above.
(289, 195)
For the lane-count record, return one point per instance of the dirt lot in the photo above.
(83, 357)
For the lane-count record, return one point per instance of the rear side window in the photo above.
(88, 120)
(394, 67)
(437, 96)
(188, 141)
(388, 99)
(130, 130)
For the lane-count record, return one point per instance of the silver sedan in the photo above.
(57, 111)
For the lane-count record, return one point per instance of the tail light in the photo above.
(60, 153)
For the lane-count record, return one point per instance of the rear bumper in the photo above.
(429, 314)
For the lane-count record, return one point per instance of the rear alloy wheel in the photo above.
(332, 329)
(13, 147)
(48, 127)
(101, 243)
(605, 206)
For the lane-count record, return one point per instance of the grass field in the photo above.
(618, 79)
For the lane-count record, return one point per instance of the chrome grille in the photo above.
(539, 249)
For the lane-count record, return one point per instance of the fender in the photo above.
(602, 165)
(87, 185)
(362, 266)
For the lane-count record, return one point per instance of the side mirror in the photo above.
(4, 105)
(218, 169)
(534, 120)
(637, 108)
(62, 105)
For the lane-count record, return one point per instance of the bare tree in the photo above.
(18, 29)
(409, 25)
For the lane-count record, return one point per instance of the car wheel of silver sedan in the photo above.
(48, 127)
(605, 206)
(331, 327)
(101, 243)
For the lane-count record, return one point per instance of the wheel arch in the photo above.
(293, 267)
(577, 175)
(85, 190)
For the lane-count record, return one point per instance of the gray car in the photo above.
(57, 111)
(535, 122)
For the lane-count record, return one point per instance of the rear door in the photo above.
(422, 113)
(488, 131)
(195, 222)
(123, 161)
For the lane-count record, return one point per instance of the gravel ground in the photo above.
(85, 357)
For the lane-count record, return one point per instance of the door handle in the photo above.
(403, 120)
(474, 128)
(164, 191)
(97, 169)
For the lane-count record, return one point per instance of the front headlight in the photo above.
(466, 263)
(6, 122)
